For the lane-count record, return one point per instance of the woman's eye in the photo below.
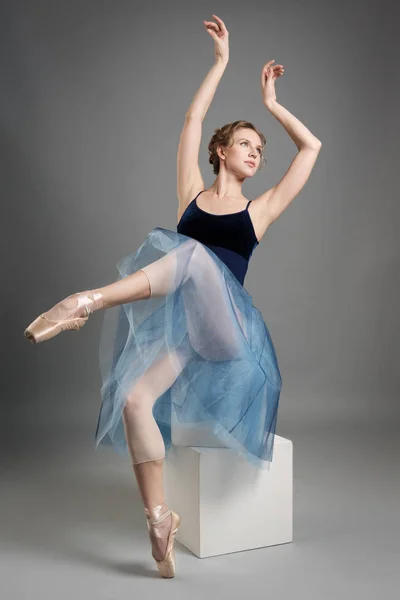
(259, 149)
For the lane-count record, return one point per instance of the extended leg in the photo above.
(156, 279)
(189, 261)
(128, 289)
(73, 311)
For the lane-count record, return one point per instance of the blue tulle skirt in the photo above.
(226, 371)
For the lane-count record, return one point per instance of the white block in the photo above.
(225, 503)
(199, 435)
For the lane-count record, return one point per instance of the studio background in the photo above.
(93, 101)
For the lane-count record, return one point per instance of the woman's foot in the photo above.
(69, 314)
(162, 524)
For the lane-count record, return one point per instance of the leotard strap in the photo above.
(199, 194)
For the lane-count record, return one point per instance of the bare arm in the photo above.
(302, 137)
(204, 95)
(189, 179)
(295, 178)
(274, 201)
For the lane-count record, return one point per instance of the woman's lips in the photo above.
(249, 162)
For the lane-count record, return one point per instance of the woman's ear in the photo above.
(221, 152)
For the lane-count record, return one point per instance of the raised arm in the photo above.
(274, 201)
(189, 179)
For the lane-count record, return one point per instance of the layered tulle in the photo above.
(217, 362)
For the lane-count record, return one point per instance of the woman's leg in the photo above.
(157, 279)
(146, 445)
(128, 289)
(72, 312)
(136, 286)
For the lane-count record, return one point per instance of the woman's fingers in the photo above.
(269, 70)
(211, 25)
(273, 68)
(220, 22)
(269, 64)
(220, 26)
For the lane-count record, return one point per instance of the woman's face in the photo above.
(246, 148)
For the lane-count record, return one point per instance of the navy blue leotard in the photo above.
(230, 236)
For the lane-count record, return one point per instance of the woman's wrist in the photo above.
(221, 61)
(271, 104)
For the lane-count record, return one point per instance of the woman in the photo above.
(188, 347)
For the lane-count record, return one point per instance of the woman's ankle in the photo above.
(98, 299)
(156, 512)
(88, 301)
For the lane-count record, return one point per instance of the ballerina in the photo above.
(188, 346)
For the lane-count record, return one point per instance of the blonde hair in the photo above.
(224, 137)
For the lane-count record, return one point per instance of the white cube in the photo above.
(225, 503)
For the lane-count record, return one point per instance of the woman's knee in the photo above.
(200, 256)
(138, 399)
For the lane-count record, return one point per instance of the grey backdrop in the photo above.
(92, 106)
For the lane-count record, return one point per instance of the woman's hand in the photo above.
(268, 76)
(220, 35)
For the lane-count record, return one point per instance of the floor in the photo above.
(72, 524)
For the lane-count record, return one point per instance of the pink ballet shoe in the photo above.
(72, 313)
(166, 566)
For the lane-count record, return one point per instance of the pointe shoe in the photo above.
(166, 566)
(43, 328)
